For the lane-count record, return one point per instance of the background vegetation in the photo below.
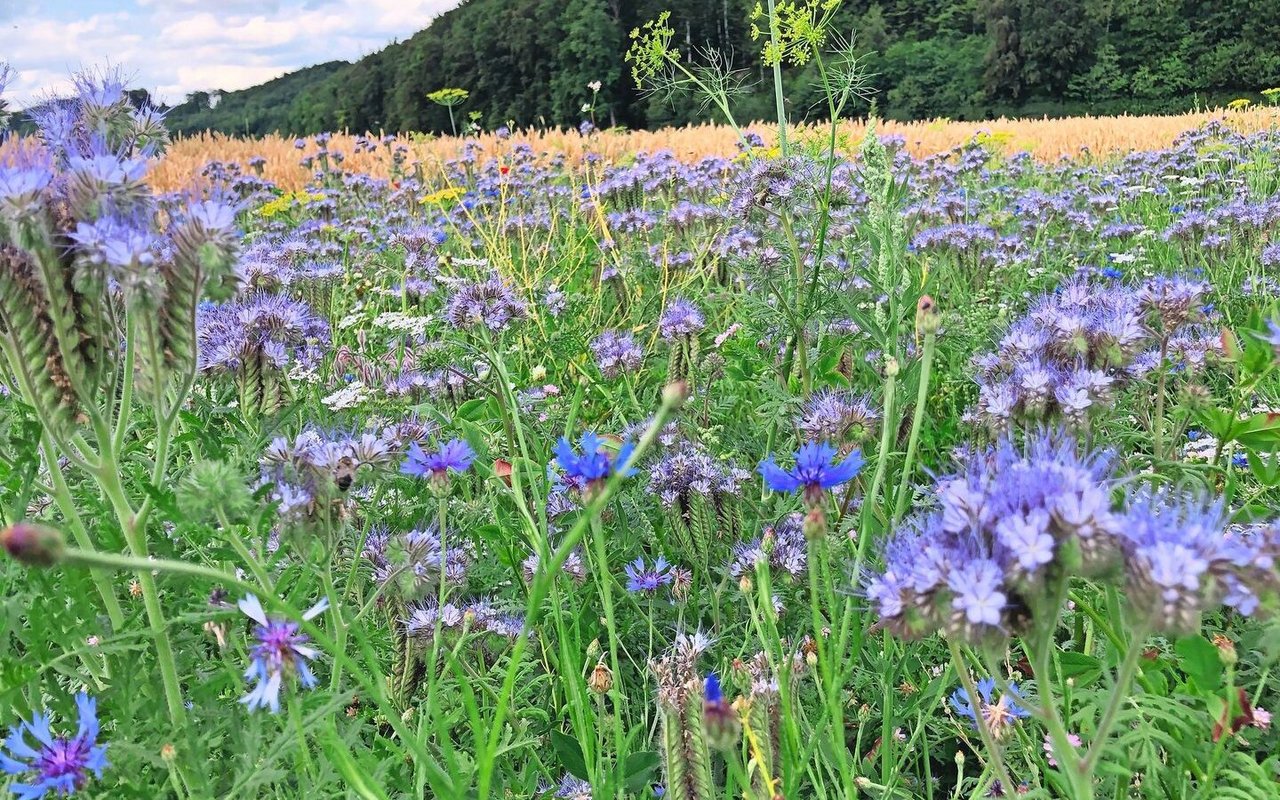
(528, 62)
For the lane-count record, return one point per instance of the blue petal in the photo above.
(621, 459)
(843, 472)
(565, 455)
(776, 479)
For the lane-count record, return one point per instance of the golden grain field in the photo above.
(1045, 139)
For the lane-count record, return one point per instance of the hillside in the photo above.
(529, 62)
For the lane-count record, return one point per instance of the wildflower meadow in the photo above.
(811, 468)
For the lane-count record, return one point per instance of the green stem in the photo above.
(774, 38)
(541, 586)
(989, 741)
(1119, 695)
(917, 421)
(604, 580)
(109, 480)
(62, 496)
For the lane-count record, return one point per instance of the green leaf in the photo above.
(1085, 669)
(1200, 661)
(570, 754)
(639, 770)
(358, 780)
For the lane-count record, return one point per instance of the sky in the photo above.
(172, 47)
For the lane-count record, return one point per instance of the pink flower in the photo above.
(1048, 746)
(1261, 718)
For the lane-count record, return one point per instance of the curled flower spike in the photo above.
(814, 472)
(58, 765)
(281, 650)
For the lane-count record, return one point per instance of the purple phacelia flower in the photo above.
(491, 303)
(680, 318)
(616, 352)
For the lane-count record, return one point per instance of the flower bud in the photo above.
(815, 524)
(32, 544)
(601, 680)
(724, 729)
(1226, 649)
(928, 319)
(891, 367)
(674, 394)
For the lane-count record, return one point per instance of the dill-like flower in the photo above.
(58, 765)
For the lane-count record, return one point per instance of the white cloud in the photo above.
(173, 47)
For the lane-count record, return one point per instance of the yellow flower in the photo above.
(443, 196)
(1239, 103)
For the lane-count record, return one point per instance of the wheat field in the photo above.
(1045, 139)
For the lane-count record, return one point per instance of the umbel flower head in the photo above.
(815, 471)
(47, 764)
(281, 652)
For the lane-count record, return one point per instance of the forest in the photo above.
(529, 63)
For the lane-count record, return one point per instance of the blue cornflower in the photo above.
(999, 716)
(592, 466)
(640, 578)
(712, 691)
(815, 470)
(724, 730)
(455, 455)
(58, 765)
(281, 649)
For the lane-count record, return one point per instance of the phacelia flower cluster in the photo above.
(1019, 520)
(490, 303)
(616, 353)
(412, 564)
(1075, 348)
